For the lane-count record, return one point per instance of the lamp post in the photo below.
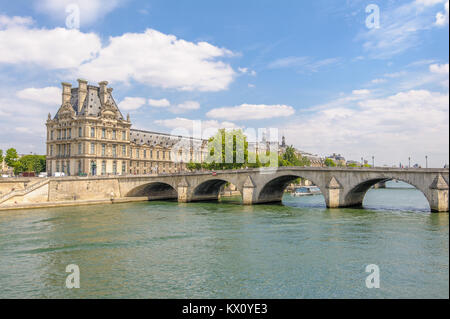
(373, 161)
(426, 161)
(362, 161)
(409, 161)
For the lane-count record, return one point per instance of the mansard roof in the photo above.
(91, 105)
(142, 137)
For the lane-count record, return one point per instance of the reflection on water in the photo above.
(299, 249)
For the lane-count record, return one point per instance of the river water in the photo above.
(208, 250)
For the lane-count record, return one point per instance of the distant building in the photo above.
(352, 163)
(315, 160)
(5, 169)
(338, 159)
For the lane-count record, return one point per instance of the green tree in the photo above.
(227, 150)
(1, 156)
(11, 157)
(291, 158)
(193, 166)
(330, 163)
(30, 163)
(352, 165)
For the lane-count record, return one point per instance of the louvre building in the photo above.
(90, 136)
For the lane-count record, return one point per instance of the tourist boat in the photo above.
(306, 191)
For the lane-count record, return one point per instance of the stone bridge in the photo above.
(341, 187)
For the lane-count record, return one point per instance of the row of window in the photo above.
(64, 166)
(65, 150)
(64, 134)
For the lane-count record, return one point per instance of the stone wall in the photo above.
(83, 189)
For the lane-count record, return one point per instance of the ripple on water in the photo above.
(207, 250)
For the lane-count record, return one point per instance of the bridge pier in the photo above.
(248, 192)
(333, 195)
(183, 191)
(439, 195)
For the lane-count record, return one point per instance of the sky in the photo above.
(359, 78)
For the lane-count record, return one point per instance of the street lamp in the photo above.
(373, 161)
(409, 161)
(362, 161)
(426, 161)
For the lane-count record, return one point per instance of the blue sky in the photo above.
(312, 69)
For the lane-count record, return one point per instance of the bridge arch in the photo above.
(209, 189)
(154, 191)
(356, 193)
(274, 189)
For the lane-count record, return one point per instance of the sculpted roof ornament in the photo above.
(66, 111)
(108, 110)
(439, 183)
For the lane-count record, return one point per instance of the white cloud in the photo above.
(378, 81)
(189, 105)
(247, 71)
(180, 123)
(90, 10)
(156, 59)
(11, 22)
(442, 17)
(412, 123)
(429, 2)
(185, 107)
(30, 108)
(47, 48)
(132, 103)
(361, 92)
(159, 103)
(302, 63)
(251, 112)
(48, 95)
(439, 68)
(151, 58)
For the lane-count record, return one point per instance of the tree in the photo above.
(30, 163)
(330, 163)
(11, 157)
(290, 158)
(193, 166)
(227, 150)
(1, 156)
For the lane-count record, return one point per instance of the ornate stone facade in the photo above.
(90, 136)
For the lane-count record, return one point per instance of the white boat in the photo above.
(306, 191)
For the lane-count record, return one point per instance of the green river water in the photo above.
(299, 249)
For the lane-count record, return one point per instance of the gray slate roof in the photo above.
(91, 104)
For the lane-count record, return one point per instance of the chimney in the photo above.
(82, 93)
(103, 91)
(66, 92)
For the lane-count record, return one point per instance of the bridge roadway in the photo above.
(341, 187)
